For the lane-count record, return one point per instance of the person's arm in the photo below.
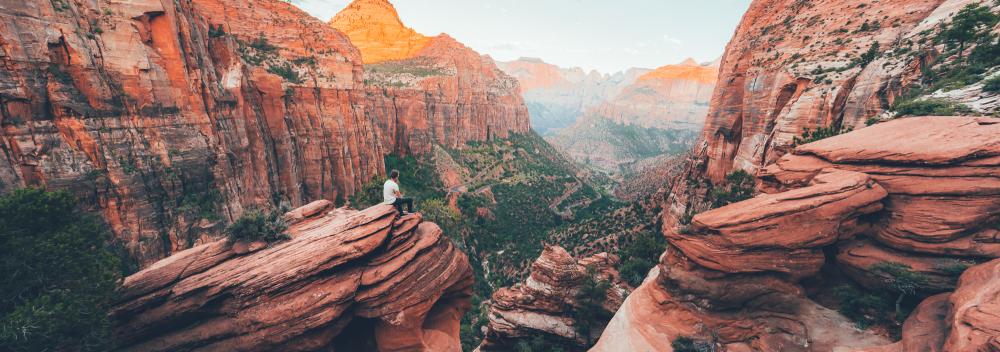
(398, 193)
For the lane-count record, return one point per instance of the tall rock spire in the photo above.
(375, 28)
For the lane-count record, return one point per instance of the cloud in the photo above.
(670, 39)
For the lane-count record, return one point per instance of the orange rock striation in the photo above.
(921, 193)
(347, 280)
(375, 29)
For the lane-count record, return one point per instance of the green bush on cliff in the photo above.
(992, 85)
(437, 211)
(58, 274)
(821, 133)
(739, 186)
(589, 312)
(258, 225)
(929, 107)
(640, 255)
(689, 344)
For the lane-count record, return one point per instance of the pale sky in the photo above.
(606, 35)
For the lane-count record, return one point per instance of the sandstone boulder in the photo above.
(544, 305)
(363, 280)
(784, 232)
(942, 175)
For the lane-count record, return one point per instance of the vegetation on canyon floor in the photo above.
(59, 274)
(520, 194)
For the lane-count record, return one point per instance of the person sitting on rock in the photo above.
(392, 195)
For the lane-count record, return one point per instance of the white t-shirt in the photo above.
(389, 191)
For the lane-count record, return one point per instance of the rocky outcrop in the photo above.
(914, 194)
(425, 91)
(347, 280)
(545, 305)
(168, 117)
(794, 65)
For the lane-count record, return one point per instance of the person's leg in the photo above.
(409, 204)
(399, 205)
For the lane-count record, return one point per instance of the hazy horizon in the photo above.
(636, 33)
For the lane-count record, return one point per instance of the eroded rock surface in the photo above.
(172, 118)
(347, 280)
(913, 194)
(545, 304)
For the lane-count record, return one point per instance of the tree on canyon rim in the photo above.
(57, 274)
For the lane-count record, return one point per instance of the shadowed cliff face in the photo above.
(171, 118)
(794, 65)
(148, 115)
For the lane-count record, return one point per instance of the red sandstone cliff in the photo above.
(794, 65)
(346, 281)
(160, 122)
(436, 91)
(920, 193)
(171, 117)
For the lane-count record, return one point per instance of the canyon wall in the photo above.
(161, 123)
(429, 90)
(558, 96)
(345, 281)
(660, 113)
(171, 118)
(794, 65)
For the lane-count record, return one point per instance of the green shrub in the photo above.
(437, 211)
(258, 225)
(58, 274)
(901, 279)
(286, 71)
(641, 255)
(739, 186)
(992, 85)
(688, 344)
(929, 107)
(589, 311)
(864, 308)
(216, 32)
(821, 133)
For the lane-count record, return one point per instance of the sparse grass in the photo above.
(992, 85)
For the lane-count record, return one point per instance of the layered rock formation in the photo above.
(660, 113)
(425, 91)
(558, 96)
(546, 304)
(166, 126)
(917, 195)
(794, 65)
(171, 118)
(376, 30)
(347, 280)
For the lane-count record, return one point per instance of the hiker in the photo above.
(392, 195)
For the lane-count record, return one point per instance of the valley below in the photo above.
(208, 175)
